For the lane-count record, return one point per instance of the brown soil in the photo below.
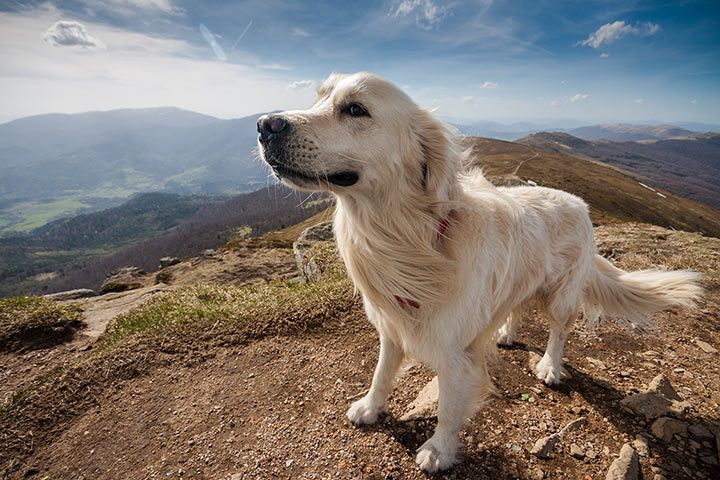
(271, 403)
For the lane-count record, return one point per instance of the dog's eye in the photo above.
(356, 110)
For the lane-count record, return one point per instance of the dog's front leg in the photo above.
(461, 381)
(367, 409)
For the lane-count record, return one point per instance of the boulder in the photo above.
(168, 261)
(123, 279)
(658, 400)
(665, 427)
(425, 404)
(71, 294)
(306, 253)
(626, 466)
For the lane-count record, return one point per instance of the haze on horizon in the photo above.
(613, 61)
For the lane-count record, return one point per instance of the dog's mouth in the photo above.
(341, 179)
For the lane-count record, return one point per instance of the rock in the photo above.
(574, 425)
(664, 428)
(591, 454)
(544, 446)
(168, 261)
(305, 257)
(71, 294)
(596, 363)
(709, 460)
(662, 385)
(576, 451)
(425, 404)
(626, 466)
(126, 278)
(659, 400)
(640, 444)
(705, 347)
(208, 252)
(700, 432)
(538, 473)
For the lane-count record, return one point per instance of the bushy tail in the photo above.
(634, 296)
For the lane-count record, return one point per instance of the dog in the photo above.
(442, 258)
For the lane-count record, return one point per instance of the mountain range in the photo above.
(58, 165)
(55, 165)
(688, 166)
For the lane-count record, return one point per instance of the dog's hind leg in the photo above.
(463, 379)
(507, 333)
(367, 409)
(563, 310)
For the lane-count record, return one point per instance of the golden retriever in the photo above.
(442, 258)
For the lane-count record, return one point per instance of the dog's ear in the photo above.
(441, 163)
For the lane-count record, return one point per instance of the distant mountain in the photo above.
(622, 132)
(56, 165)
(688, 166)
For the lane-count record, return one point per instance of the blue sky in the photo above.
(504, 61)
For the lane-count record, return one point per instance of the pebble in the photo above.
(705, 347)
(700, 432)
(576, 451)
(641, 445)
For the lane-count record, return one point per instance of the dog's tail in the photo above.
(634, 296)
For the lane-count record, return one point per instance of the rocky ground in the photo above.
(236, 399)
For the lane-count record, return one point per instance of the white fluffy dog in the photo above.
(443, 258)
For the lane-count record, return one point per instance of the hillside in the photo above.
(687, 166)
(56, 165)
(251, 380)
(612, 194)
(81, 251)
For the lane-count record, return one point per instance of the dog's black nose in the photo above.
(268, 125)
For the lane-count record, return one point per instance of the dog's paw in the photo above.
(436, 455)
(365, 411)
(547, 372)
(505, 337)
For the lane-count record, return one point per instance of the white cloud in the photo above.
(427, 13)
(578, 97)
(639, 100)
(693, 101)
(604, 55)
(301, 84)
(610, 32)
(489, 85)
(71, 34)
(468, 99)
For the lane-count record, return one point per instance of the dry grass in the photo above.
(28, 323)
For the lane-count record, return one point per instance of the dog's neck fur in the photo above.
(391, 247)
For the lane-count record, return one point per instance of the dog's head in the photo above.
(362, 136)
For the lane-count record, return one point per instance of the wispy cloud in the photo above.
(611, 32)
(604, 55)
(427, 13)
(639, 100)
(71, 34)
(131, 8)
(300, 32)
(468, 99)
(489, 85)
(301, 84)
(274, 66)
(578, 97)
